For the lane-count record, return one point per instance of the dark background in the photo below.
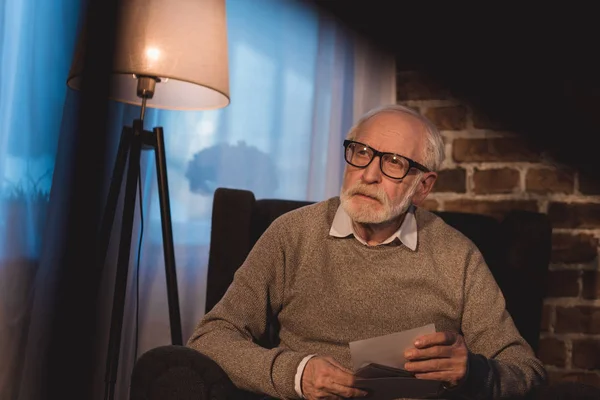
(534, 69)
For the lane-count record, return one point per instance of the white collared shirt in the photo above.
(407, 233)
(342, 227)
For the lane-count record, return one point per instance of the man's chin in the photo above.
(367, 219)
(370, 214)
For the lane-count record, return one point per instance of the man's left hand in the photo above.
(439, 356)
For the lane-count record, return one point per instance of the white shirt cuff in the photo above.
(298, 377)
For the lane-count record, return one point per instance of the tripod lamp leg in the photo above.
(167, 235)
(120, 287)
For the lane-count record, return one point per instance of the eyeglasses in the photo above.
(392, 165)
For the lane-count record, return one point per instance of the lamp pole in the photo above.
(130, 146)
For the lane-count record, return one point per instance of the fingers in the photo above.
(348, 392)
(326, 389)
(436, 339)
(429, 352)
(451, 378)
(439, 356)
(324, 378)
(435, 365)
(450, 370)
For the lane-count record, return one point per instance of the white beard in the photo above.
(365, 214)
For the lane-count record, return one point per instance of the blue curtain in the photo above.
(291, 77)
(37, 40)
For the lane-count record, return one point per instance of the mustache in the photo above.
(367, 190)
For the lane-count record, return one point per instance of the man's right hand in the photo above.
(325, 378)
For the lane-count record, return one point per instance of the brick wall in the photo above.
(491, 170)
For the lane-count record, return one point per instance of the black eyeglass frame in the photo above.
(411, 163)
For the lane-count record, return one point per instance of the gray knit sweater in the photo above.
(325, 292)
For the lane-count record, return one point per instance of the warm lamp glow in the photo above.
(152, 53)
(183, 42)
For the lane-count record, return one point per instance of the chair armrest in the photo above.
(179, 373)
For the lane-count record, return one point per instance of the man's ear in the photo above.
(425, 185)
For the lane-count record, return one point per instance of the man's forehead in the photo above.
(394, 130)
(395, 120)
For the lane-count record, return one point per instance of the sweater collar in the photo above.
(407, 233)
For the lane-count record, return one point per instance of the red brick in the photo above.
(495, 181)
(574, 215)
(590, 285)
(586, 354)
(451, 180)
(563, 283)
(505, 149)
(496, 209)
(413, 85)
(578, 319)
(448, 118)
(546, 318)
(552, 351)
(572, 249)
(548, 180)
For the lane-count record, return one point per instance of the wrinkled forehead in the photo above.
(395, 132)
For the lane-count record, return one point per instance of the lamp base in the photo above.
(130, 146)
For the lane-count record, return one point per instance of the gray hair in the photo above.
(434, 152)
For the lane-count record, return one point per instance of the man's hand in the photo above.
(439, 356)
(324, 378)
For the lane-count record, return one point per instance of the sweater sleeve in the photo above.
(229, 333)
(501, 362)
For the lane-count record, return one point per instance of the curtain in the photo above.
(37, 39)
(298, 81)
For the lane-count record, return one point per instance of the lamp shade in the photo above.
(183, 43)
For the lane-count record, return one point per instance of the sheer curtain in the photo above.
(298, 82)
(37, 38)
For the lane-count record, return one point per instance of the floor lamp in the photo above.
(170, 54)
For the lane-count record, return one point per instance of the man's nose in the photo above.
(372, 172)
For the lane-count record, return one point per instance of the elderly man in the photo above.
(366, 264)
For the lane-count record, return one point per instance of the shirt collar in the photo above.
(407, 233)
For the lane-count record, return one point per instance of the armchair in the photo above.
(517, 250)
